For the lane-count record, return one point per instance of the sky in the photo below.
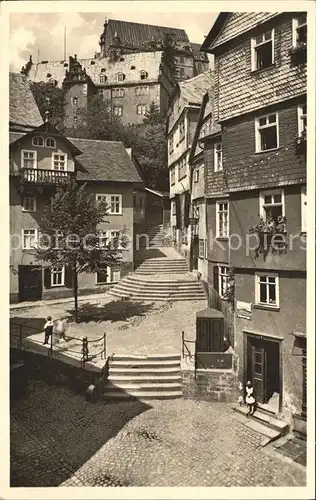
(42, 34)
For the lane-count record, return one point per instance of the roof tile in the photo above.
(105, 161)
(23, 109)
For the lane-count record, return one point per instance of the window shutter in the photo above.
(47, 277)
(215, 278)
(178, 211)
(187, 209)
(68, 277)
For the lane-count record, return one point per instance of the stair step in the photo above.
(142, 395)
(145, 362)
(143, 298)
(267, 432)
(139, 378)
(154, 357)
(148, 371)
(161, 294)
(159, 287)
(144, 386)
(264, 418)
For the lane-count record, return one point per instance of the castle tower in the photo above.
(78, 87)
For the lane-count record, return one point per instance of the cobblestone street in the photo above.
(59, 439)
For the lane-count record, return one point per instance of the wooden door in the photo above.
(30, 283)
(257, 372)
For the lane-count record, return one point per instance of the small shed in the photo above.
(209, 333)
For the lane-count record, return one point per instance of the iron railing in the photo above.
(215, 301)
(84, 347)
(186, 353)
(41, 176)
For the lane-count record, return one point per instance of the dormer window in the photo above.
(120, 77)
(143, 75)
(102, 78)
(50, 142)
(49, 75)
(38, 141)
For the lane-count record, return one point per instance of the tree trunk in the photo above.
(75, 290)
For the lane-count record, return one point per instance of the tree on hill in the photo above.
(70, 236)
(50, 98)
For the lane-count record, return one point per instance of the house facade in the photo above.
(256, 200)
(182, 120)
(40, 159)
(128, 83)
(127, 37)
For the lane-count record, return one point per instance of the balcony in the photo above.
(41, 177)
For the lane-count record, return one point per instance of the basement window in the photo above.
(262, 50)
(267, 132)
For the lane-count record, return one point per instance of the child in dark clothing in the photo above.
(48, 329)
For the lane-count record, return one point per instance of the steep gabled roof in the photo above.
(23, 110)
(104, 161)
(45, 128)
(192, 90)
(136, 34)
(229, 25)
(148, 61)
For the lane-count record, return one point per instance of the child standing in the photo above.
(48, 329)
(250, 399)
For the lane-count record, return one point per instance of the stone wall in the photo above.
(210, 385)
(56, 372)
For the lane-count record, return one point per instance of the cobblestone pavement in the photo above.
(131, 327)
(57, 438)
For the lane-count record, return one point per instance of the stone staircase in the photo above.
(156, 236)
(263, 422)
(144, 377)
(159, 287)
(162, 266)
(160, 278)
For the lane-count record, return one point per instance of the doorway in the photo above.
(194, 252)
(30, 283)
(263, 368)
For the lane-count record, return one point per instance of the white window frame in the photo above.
(141, 107)
(23, 239)
(271, 192)
(182, 169)
(217, 167)
(29, 195)
(143, 74)
(50, 139)
(119, 109)
(303, 209)
(199, 254)
(109, 275)
(75, 101)
(295, 25)
(108, 200)
(118, 93)
(253, 50)
(173, 208)
(300, 116)
(38, 137)
(172, 176)
(259, 127)
(120, 77)
(61, 271)
(53, 160)
(35, 158)
(218, 203)
(197, 174)
(223, 278)
(267, 274)
(102, 79)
